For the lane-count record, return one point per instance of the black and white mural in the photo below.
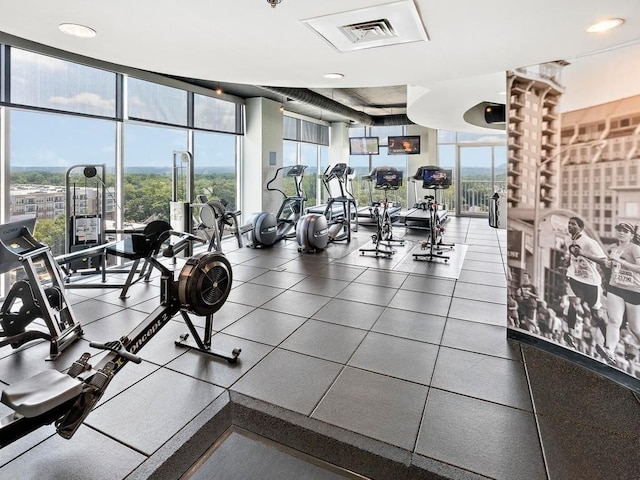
(574, 210)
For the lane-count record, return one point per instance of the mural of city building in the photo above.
(573, 196)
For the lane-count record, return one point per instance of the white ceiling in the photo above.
(471, 43)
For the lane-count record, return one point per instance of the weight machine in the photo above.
(66, 399)
(386, 178)
(40, 295)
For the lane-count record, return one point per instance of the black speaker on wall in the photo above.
(494, 113)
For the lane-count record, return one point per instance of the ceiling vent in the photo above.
(369, 31)
(378, 26)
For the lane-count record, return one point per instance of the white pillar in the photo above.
(262, 155)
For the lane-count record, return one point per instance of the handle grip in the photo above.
(117, 348)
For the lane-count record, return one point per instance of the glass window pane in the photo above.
(309, 157)
(384, 132)
(38, 169)
(47, 82)
(214, 156)
(214, 114)
(148, 164)
(290, 128)
(158, 103)
(446, 136)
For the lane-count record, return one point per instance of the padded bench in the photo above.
(42, 392)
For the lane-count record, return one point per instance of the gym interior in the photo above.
(368, 344)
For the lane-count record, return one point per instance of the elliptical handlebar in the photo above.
(296, 171)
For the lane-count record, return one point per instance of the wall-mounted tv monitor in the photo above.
(364, 146)
(405, 145)
(436, 178)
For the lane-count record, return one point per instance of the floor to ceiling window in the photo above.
(305, 143)
(479, 165)
(362, 188)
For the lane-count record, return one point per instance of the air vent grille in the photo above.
(370, 31)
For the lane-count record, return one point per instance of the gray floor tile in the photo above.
(121, 416)
(244, 273)
(359, 292)
(217, 370)
(253, 295)
(575, 451)
(483, 293)
(483, 278)
(278, 279)
(475, 311)
(266, 261)
(374, 405)
(328, 287)
(604, 404)
(294, 381)
(229, 313)
(297, 303)
(325, 340)
(351, 314)
(480, 338)
(479, 266)
(340, 272)
(382, 278)
(396, 357)
(481, 376)
(421, 302)
(420, 283)
(57, 458)
(91, 310)
(493, 440)
(265, 326)
(423, 327)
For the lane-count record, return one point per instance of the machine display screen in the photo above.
(436, 178)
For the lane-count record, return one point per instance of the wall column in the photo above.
(262, 155)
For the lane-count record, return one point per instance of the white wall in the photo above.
(263, 137)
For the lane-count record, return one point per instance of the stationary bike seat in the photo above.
(42, 392)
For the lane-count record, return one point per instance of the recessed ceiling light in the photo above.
(333, 75)
(76, 30)
(604, 25)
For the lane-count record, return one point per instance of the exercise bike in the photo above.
(436, 179)
(269, 228)
(65, 399)
(386, 178)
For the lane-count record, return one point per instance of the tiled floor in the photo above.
(412, 355)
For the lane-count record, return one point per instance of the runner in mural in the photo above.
(584, 287)
(623, 290)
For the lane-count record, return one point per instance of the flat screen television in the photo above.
(364, 146)
(404, 145)
(436, 178)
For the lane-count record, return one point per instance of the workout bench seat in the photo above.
(42, 392)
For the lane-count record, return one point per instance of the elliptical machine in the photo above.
(339, 210)
(269, 228)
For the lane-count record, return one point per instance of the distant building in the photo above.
(48, 201)
(600, 182)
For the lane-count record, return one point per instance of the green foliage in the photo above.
(51, 232)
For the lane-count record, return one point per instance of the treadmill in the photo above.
(432, 178)
(366, 214)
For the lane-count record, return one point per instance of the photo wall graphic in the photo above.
(573, 197)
